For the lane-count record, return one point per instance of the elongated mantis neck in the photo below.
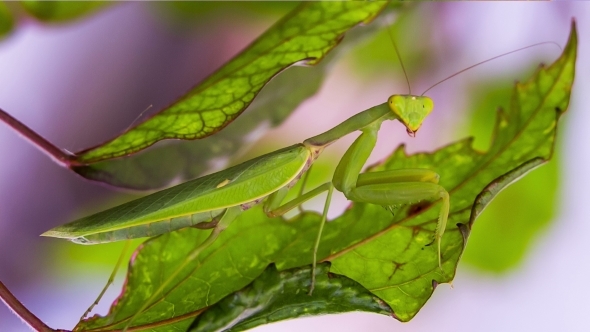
(356, 122)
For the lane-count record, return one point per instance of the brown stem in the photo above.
(54, 152)
(19, 309)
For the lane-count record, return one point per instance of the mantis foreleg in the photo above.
(386, 188)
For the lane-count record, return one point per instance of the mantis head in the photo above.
(410, 110)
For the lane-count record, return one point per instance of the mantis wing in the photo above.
(190, 202)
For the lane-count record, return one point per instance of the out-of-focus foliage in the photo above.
(62, 11)
(6, 20)
(47, 11)
(87, 255)
(378, 54)
(187, 13)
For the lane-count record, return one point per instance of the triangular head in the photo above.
(411, 110)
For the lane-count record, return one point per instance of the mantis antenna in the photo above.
(400, 60)
(482, 62)
(462, 70)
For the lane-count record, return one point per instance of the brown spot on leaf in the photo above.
(417, 208)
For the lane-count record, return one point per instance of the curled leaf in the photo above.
(275, 296)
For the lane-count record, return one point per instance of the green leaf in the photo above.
(275, 296)
(515, 226)
(178, 160)
(388, 255)
(62, 11)
(306, 34)
(183, 160)
(152, 168)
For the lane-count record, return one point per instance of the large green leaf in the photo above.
(180, 160)
(306, 34)
(265, 58)
(388, 255)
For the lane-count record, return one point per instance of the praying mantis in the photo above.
(215, 200)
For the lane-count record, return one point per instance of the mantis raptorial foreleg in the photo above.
(388, 187)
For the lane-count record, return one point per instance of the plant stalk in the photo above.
(44, 145)
(21, 311)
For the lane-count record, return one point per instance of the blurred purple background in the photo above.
(80, 83)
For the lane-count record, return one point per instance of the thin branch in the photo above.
(19, 310)
(60, 156)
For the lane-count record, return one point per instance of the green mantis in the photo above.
(214, 201)
(217, 199)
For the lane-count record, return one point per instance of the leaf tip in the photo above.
(573, 38)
